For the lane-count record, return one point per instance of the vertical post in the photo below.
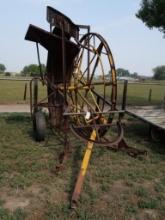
(39, 63)
(150, 95)
(64, 62)
(88, 58)
(66, 142)
(25, 92)
(124, 101)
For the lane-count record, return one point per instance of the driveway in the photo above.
(14, 108)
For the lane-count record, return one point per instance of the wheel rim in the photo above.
(94, 90)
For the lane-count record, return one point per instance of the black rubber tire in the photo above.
(156, 134)
(39, 125)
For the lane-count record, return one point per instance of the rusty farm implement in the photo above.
(81, 89)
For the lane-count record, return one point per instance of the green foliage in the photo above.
(134, 75)
(2, 68)
(141, 192)
(122, 72)
(17, 214)
(33, 70)
(148, 204)
(7, 74)
(152, 13)
(159, 73)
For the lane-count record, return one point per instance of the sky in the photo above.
(134, 46)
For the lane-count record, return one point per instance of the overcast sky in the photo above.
(134, 46)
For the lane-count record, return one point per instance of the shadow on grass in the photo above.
(75, 168)
(140, 131)
(13, 118)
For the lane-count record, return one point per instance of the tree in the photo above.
(159, 73)
(152, 13)
(134, 75)
(7, 74)
(33, 70)
(2, 68)
(122, 72)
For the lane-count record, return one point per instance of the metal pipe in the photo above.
(84, 166)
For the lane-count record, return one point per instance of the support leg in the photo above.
(64, 154)
(131, 151)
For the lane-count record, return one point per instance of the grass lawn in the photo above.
(117, 187)
(12, 92)
(137, 94)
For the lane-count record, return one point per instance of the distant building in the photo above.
(128, 78)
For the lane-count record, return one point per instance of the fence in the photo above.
(139, 93)
(16, 90)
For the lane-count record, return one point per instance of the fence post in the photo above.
(124, 101)
(25, 92)
(123, 107)
(150, 95)
(164, 101)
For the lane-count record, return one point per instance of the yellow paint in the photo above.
(111, 59)
(103, 120)
(70, 88)
(88, 152)
(113, 75)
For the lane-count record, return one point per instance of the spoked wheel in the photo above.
(92, 98)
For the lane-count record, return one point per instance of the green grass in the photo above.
(137, 94)
(116, 186)
(13, 92)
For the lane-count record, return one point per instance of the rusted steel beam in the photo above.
(56, 18)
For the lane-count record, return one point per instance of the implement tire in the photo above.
(39, 125)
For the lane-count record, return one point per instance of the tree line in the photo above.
(29, 70)
(32, 70)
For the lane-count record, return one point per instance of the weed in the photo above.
(132, 209)
(141, 192)
(149, 203)
(159, 187)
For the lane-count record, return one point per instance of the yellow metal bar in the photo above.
(84, 166)
(70, 88)
(88, 152)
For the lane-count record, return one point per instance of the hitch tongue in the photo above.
(83, 169)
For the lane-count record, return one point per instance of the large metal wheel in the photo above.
(93, 91)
